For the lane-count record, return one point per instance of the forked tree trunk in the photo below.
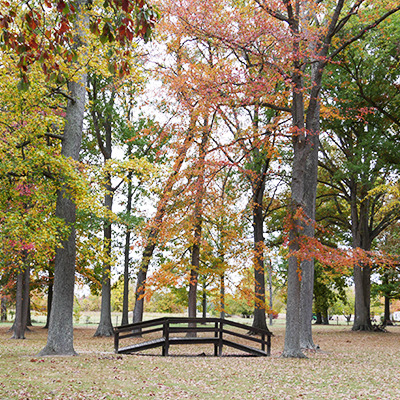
(60, 335)
(362, 272)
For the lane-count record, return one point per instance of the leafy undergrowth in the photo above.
(350, 366)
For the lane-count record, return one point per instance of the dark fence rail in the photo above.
(218, 329)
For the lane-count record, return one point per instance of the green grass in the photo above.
(350, 366)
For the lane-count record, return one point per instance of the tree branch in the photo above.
(363, 32)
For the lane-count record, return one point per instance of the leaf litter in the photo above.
(350, 365)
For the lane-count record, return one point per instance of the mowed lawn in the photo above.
(349, 366)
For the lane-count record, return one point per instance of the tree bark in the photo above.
(49, 298)
(142, 273)
(18, 330)
(60, 335)
(271, 315)
(204, 305)
(103, 121)
(325, 317)
(386, 318)
(105, 327)
(259, 273)
(222, 297)
(3, 309)
(301, 151)
(26, 298)
(307, 266)
(125, 304)
(194, 274)
(305, 141)
(362, 272)
(198, 221)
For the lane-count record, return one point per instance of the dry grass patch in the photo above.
(350, 366)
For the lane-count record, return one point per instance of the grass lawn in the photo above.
(349, 366)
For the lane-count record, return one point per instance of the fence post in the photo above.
(216, 336)
(263, 341)
(166, 338)
(116, 340)
(220, 342)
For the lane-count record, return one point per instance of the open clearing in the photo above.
(350, 366)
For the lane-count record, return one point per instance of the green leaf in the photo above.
(23, 86)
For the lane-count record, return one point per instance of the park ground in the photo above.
(350, 365)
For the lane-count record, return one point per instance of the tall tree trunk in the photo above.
(204, 303)
(29, 315)
(222, 296)
(142, 273)
(305, 139)
(60, 335)
(49, 298)
(271, 315)
(197, 218)
(157, 222)
(386, 318)
(194, 274)
(18, 330)
(26, 298)
(307, 266)
(300, 154)
(259, 320)
(103, 121)
(362, 272)
(105, 327)
(325, 317)
(3, 309)
(125, 302)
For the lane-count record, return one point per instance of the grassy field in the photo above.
(349, 366)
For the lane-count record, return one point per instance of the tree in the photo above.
(102, 118)
(155, 224)
(29, 149)
(364, 143)
(60, 336)
(388, 285)
(69, 34)
(306, 32)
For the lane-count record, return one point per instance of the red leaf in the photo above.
(125, 5)
(60, 6)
